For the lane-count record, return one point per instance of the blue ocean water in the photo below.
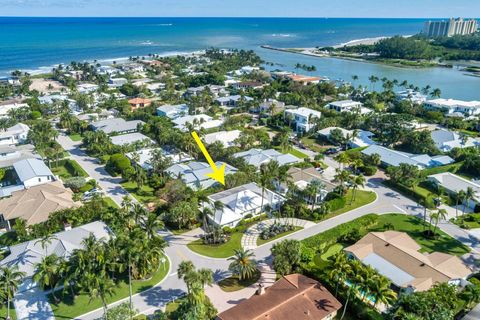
(30, 43)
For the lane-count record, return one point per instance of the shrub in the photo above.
(75, 183)
(337, 203)
(274, 230)
(118, 164)
(368, 170)
(75, 169)
(477, 208)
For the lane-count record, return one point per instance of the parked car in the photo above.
(332, 151)
(89, 194)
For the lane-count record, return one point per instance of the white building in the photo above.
(87, 87)
(240, 202)
(195, 174)
(6, 106)
(226, 138)
(14, 135)
(304, 118)
(173, 111)
(412, 96)
(197, 121)
(33, 172)
(131, 138)
(257, 157)
(449, 106)
(144, 157)
(362, 139)
(230, 102)
(446, 140)
(348, 106)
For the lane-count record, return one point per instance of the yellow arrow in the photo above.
(218, 174)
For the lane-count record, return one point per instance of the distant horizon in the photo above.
(238, 17)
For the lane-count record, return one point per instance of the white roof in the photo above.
(30, 168)
(194, 173)
(345, 103)
(145, 157)
(304, 112)
(125, 139)
(399, 277)
(454, 103)
(395, 158)
(446, 140)
(257, 157)
(19, 128)
(227, 138)
(456, 183)
(204, 121)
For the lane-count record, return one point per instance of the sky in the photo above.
(243, 8)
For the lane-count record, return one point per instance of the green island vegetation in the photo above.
(416, 51)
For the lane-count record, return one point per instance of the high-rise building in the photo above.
(451, 27)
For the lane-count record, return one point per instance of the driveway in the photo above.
(111, 185)
(33, 304)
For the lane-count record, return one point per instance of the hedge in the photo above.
(337, 203)
(72, 167)
(409, 193)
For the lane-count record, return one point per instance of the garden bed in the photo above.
(261, 241)
(232, 284)
(223, 250)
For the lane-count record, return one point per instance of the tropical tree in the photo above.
(471, 294)
(47, 272)
(381, 292)
(314, 188)
(340, 269)
(10, 279)
(45, 241)
(286, 255)
(356, 182)
(242, 264)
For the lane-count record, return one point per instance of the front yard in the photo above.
(67, 168)
(362, 198)
(223, 250)
(232, 283)
(70, 309)
(145, 195)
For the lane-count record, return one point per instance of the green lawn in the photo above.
(224, 250)
(3, 311)
(110, 203)
(312, 144)
(147, 193)
(232, 284)
(321, 259)
(69, 309)
(260, 241)
(67, 168)
(401, 222)
(298, 153)
(362, 198)
(75, 137)
(472, 220)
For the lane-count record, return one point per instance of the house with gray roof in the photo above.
(247, 199)
(33, 172)
(194, 173)
(230, 102)
(453, 184)
(11, 154)
(14, 135)
(390, 157)
(172, 111)
(117, 125)
(445, 140)
(25, 255)
(257, 157)
(131, 138)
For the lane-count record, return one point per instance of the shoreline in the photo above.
(106, 61)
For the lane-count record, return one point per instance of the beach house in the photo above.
(452, 106)
(172, 111)
(303, 118)
(257, 157)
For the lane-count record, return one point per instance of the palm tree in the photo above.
(46, 272)
(439, 215)
(357, 181)
(242, 264)
(313, 189)
(45, 241)
(461, 196)
(138, 213)
(373, 80)
(469, 194)
(342, 176)
(265, 180)
(381, 292)
(471, 294)
(10, 279)
(436, 93)
(151, 224)
(101, 287)
(340, 269)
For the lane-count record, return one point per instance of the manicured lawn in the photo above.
(454, 167)
(472, 220)
(69, 309)
(3, 311)
(67, 168)
(260, 241)
(223, 250)
(321, 259)
(110, 203)
(312, 144)
(75, 137)
(362, 198)
(232, 284)
(297, 153)
(147, 193)
(401, 222)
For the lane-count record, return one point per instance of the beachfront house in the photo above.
(451, 106)
(303, 118)
(241, 202)
(411, 95)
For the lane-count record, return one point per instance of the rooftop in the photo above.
(292, 297)
(31, 168)
(257, 157)
(129, 138)
(116, 125)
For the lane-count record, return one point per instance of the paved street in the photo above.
(171, 287)
(111, 185)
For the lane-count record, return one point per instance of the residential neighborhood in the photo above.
(337, 202)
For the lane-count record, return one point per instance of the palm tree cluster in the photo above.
(243, 265)
(360, 281)
(196, 304)
(10, 280)
(135, 252)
